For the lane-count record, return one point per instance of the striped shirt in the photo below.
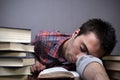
(47, 45)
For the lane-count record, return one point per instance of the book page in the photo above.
(58, 72)
(75, 74)
(53, 69)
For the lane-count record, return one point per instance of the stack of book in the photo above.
(15, 53)
(112, 65)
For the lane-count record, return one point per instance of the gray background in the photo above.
(63, 15)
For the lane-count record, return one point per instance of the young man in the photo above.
(94, 39)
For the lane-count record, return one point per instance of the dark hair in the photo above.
(103, 30)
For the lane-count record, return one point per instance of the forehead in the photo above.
(92, 43)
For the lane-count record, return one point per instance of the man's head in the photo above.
(104, 32)
(95, 37)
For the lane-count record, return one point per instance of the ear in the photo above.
(75, 33)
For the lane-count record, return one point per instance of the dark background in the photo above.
(62, 15)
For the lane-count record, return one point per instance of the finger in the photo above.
(40, 67)
(43, 67)
(33, 68)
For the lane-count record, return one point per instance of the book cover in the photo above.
(16, 62)
(14, 77)
(13, 54)
(11, 46)
(112, 65)
(114, 75)
(111, 57)
(58, 72)
(14, 71)
(17, 54)
(9, 34)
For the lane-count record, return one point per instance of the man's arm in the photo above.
(95, 71)
(91, 68)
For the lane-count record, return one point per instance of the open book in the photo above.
(58, 72)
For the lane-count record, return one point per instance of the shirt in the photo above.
(47, 45)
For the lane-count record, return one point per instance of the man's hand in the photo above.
(37, 67)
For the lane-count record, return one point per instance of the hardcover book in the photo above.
(9, 34)
(11, 46)
(111, 58)
(16, 62)
(17, 54)
(112, 62)
(114, 75)
(112, 65)
(13, 54)
(12, 71)
(16, 77)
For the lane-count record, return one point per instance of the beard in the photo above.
(69, 52)
(70, 57)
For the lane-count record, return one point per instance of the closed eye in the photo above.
(83, 48)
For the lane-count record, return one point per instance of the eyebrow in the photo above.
(85, 47)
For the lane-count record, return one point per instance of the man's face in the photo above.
(83, 44)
